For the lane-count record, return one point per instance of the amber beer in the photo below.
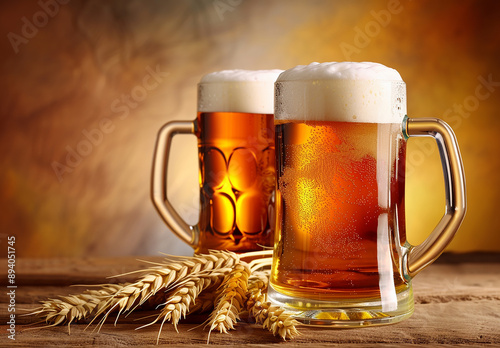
(235, 131)
(237, 180)
(334, 203)
(341, 257)
(340, 222)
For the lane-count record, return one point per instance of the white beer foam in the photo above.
(250, 91)
(345, 91)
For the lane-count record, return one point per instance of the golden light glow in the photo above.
(90, 89)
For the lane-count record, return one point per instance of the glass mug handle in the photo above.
(173, 220)
(424, 254)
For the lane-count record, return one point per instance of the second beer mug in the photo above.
(235, 131)
(341, 257)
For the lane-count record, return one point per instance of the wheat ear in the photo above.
(182, 297)
(277, 320)
(231, 300)
(125, 297)
(280, 322)
(257, 291)
(166, 277)
(68, 309)
(177, 284)
(179, 302)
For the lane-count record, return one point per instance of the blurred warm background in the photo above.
(87, 84)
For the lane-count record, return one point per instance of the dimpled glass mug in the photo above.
(341, 257)
(235, 131)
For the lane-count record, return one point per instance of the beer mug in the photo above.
(341, 257)
(235, 131)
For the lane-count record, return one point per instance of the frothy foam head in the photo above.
(345, 91)
(250, 91)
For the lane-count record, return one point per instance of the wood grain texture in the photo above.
(457, 303)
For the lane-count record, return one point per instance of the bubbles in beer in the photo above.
(330, 180)
(325, 177)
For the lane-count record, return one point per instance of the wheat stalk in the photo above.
(280, 322)
(180, 286)
(67, 309)
(175, 272)
(257, 290)
(125, 297)
(275, 319)
(182, 300)
(231, 300)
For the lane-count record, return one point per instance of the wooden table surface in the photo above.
(457, 302)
